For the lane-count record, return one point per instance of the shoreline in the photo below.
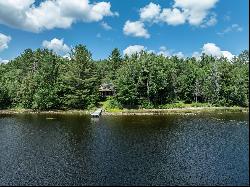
(186, 110)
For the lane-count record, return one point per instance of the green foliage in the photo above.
(111, 104)
(108, 68)
(79, 80)
(146, 105)
(4, 98)
(42, 80)
(147, 80)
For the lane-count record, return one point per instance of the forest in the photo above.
(42, 80)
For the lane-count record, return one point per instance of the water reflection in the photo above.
(95, 121)
(124, 150)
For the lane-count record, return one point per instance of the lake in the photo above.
(202, 149)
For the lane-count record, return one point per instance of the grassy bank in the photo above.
(29, 111)
(116, 111)
(179, 107)
(174, 110)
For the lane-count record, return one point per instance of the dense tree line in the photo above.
(42, 80)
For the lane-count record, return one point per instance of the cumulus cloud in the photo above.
(162, 51)
(135, 29)
(196, 55)
(208, 49)
(179, 55)
(232, 28)
(213, 50)
(150, 12)
(194, 12)
(57, 45)
(172, 16)
(227, 55)
(169, 52)
(4, 41)
(3, 61)
(106, 26)
(24, 14)
(132, 49)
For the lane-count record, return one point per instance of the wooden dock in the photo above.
(97, 113)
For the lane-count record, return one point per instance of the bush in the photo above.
(111, 103)
(146, 104)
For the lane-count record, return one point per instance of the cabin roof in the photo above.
(106, 87)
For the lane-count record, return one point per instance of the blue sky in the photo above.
(222, 26)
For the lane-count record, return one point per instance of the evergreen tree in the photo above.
(80, 81)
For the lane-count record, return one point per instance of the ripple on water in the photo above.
(202, 149)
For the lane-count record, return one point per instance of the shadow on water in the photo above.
(202, 149)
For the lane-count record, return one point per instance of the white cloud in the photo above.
(67, 56)
(195, 10)
(236, 27)
(232, 28)
(151, 51)
(213, 50)
(4, 41)
(3, 61)
(56, 45)
(169, 52)
(227, 54)
(164, 51)
(208, 48)
(195, 4)
(18, 4)
(150, 12)
(196, 55)
(172, 16)
(179, 55)
(133, 49)
(212, 20)
(24, 14)
(106, 26)
(135, 29)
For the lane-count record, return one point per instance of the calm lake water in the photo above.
(204, 149)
